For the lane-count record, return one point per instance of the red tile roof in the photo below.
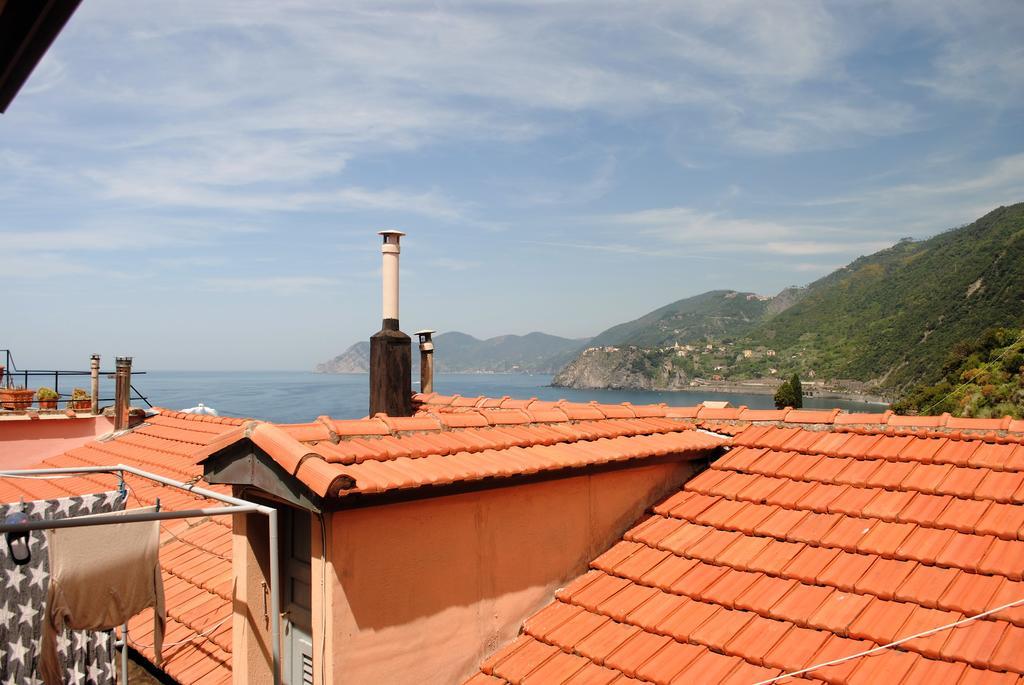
(446, 443)
(195, 555)
(800, 545)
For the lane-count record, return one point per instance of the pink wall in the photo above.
(24, 442)
(423, 591)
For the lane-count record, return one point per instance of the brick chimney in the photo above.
(390, 348)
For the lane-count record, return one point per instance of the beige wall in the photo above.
(423, 591)
(25, 442)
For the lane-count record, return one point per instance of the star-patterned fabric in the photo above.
(87, 657)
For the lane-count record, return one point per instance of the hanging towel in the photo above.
(100, 576)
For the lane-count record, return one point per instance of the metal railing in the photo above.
(12, 377)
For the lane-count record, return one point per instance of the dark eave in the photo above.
(243, 464)
(27, 29)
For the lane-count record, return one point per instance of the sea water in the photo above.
(297, 396)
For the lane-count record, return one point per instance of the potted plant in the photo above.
(47, 398)
(80, 399)
(16, 397)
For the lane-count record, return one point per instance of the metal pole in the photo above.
(98, 519)
(275, 600)
(124, 654)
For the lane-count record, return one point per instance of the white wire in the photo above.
(206, 632)
(984, 367)
(895, 643)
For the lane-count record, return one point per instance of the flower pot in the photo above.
(13, 398)
(81, 405)
(47, 404)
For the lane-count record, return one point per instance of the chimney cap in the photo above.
(389, 232)
(425, 331)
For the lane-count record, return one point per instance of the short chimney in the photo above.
(426, 360)
(94, 373)
(390, 348)
(122, 392)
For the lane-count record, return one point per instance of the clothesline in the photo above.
(234, 506)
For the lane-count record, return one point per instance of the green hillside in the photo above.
(892, 317)
(716, 314)
(983, 377)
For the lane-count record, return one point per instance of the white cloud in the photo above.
(810, 247)
(686, 232)
(269, 285)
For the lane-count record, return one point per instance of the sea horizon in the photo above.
(300, 396)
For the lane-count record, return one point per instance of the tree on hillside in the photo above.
(790, 394)
(784, 396)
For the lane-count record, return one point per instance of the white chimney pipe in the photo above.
(390, 250)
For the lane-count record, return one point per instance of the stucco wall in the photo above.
(422, 591)
(25, 442)
(251, 656)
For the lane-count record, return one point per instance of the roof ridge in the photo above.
(787, 415)
(204, 418)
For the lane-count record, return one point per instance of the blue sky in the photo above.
(198, 184)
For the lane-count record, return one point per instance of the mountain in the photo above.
(456, 352)
(886, 321)
(717, 314)
(356, 359)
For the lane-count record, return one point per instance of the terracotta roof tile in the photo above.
(764, 593)
(1001, 486)
(1002, 520)
(634, 653)
(709, 667)
(592, 674)
(649, 615)
(669, 661)
(746, 673)
(970, 593)
(888, 504)
(1008, 655)
(888, 665)
(977, 676)
(974, 642)
(605, 640)
(780, 522)
(524, 660)
(550, 618)
(884, 577)
(576, 629)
